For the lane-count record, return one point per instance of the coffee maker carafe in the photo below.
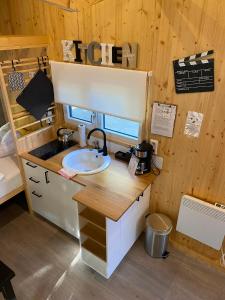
(143, 152)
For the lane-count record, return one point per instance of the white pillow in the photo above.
(3, 130)
(7, 146)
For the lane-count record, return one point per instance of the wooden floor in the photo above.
(47, 266)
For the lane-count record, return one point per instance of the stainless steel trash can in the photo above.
(158, 228)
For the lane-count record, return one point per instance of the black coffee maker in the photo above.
(143, 152)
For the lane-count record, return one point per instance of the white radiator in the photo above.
(202, 221)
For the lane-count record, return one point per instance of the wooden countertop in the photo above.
(110, 192)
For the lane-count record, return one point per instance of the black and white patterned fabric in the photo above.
(16, 81)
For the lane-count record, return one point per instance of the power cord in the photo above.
(157, 173)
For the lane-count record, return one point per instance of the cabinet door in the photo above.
(51, 197)
(129, 227)
(61, 209)
(38, 201)
(143, 210)
(35, 181)
(133, 221)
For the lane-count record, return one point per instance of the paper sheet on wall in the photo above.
(163, 117)
(193, 124)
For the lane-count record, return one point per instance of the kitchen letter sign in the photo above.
(194, 73)
(78, 52)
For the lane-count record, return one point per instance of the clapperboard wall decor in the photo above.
(194, 74)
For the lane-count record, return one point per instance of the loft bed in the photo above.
(25, 54)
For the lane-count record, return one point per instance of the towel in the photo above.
(67, 173)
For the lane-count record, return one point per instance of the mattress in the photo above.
(12, 177)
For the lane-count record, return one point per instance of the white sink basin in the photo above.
(86, 161)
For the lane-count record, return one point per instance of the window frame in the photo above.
(117, 133)
(69, 107)
(98, 121)
(121, 136)
(72, 120)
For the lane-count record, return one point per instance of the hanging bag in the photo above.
(37, 95)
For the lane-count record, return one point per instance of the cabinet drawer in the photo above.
(37, 200)
(36, 194)
(33, 183)
(35, 174)
(30, 167)
(32, 170)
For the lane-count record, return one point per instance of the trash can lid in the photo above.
(159, 223)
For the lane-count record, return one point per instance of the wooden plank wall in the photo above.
(164, 30)
(5, 24)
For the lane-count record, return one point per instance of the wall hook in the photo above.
(39, 64)
(13, 66)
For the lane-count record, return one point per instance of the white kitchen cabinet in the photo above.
(105, 254)
(51, 196)
(104, 242)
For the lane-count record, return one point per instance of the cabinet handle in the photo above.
(34, 180)
(138, 199)
(37, 195)
(31, 165)
(46, 177)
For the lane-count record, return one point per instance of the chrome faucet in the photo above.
(104, 149)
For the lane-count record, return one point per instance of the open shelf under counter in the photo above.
(104, 241)
(95, 233)
(95, 248)
(93, 217)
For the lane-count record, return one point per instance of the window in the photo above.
(121, 126)
(126, 129)
(80, 114)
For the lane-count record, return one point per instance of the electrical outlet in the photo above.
(154, 144)
(220, 205)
